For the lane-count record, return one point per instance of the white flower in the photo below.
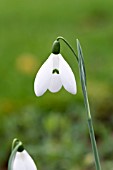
(54, 74)
(23, 161)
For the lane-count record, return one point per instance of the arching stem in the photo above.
(16, 145)
(66, 42)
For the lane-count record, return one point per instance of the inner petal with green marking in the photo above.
(55, 71)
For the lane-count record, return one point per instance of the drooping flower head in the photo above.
(55, 73)
(20, 159)
(23, 161)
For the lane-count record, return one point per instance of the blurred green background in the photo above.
(53, 127)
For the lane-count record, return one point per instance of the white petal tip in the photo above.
(73, 91)
(38, 95)
(38, 92)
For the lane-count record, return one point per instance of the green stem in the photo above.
(66, 42)
(14, 143)
(13, 154)
(83, 84)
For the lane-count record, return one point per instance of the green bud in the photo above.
(56, 47)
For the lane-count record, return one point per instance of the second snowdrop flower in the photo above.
(55, 73)
(23, 161)
(19, 158)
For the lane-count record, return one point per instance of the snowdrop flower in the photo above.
(55, 73)
(19, 158)
(23, 161)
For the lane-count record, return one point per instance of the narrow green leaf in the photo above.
(81, 62)
(90, 125)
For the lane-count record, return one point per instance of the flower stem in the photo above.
(14, 143)
(15, 147)
(82, 71)
(66, 42)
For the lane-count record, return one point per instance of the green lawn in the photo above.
(27, 31)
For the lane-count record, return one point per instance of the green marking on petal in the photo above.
(55, 71)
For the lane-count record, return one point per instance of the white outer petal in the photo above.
(23, 161)
(67, 76)
(43, 76)
(55, 83)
